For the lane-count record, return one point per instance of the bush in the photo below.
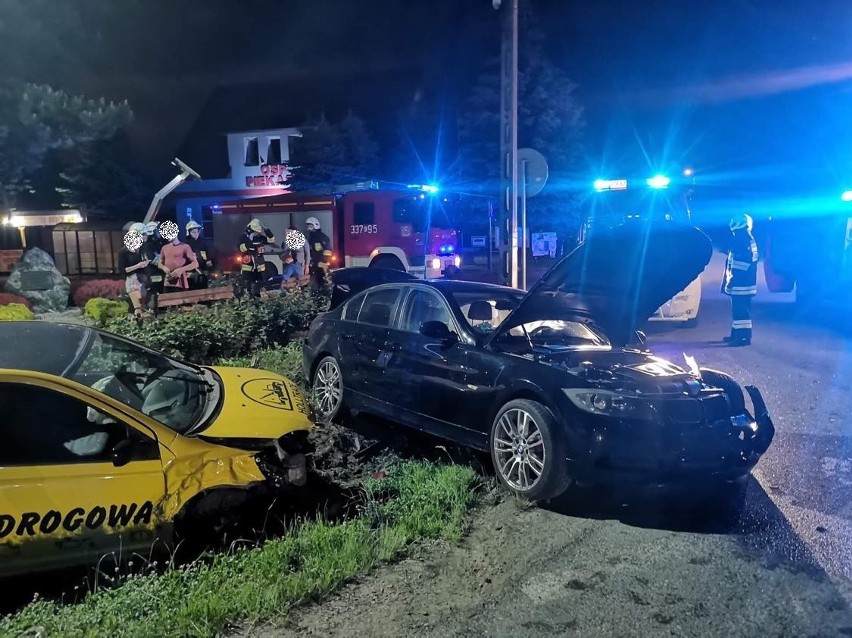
(103, 310)
(283, 360)
(205, 334)
(102, 288)
(16, 312)
(7, 298)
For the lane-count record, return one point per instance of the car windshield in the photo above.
(484, 311)
(561, 334)
(172, 393)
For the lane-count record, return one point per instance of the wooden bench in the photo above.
(187, 297)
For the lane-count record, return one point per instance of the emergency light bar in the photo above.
(659, 181)
(846, 196)
(610, 185)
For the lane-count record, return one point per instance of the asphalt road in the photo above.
(593, 565)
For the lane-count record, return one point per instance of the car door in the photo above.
(429, 376)
(77, 480)
(362, 342)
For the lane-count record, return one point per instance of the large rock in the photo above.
(54, 298)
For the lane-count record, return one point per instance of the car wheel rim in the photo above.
(519, 450)
(328, 388)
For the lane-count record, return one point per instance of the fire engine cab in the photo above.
(403, 228)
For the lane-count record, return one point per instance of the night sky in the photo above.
(743, 90)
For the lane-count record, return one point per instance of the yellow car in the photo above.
(108, 446)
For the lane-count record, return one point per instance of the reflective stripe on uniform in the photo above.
(740, 265)
(243, 248)
(742, 290)
(742, 324)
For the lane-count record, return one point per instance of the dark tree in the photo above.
(332, 153)
(36, 119)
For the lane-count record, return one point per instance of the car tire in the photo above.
(327, 390)
(520, 467)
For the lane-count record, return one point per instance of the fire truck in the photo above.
(657, 199)
(405, 229)
(811, 254)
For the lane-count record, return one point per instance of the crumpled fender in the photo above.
(189, 476)
(766, 431)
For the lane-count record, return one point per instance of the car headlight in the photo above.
(607, 403)
(436, 264)
(457, 261)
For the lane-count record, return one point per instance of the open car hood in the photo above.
(617, 278)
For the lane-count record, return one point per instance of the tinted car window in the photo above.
(377, 308)
(485, 311)
(44, 427)
(350, 312)
(422, 306)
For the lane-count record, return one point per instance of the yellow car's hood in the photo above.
(258, 404)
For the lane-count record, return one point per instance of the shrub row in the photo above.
(205, 334)
(7, 298)
(283, 360)
(16, 312)
(102, 288)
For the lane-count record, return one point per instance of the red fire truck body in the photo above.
(401, 229)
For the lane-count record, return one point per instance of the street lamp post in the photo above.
(509, 136)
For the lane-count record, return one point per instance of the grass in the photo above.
(416, 501)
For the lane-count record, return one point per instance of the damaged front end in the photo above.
(282, 461)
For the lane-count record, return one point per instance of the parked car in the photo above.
(108, 445)
(556, 383)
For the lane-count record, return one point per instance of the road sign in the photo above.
(533, 169)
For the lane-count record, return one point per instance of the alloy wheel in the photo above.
(328, 388)
(519, 450)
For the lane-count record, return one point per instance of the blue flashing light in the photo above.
(659, 181)
(430, 188)
(846, 196)
(447, 249)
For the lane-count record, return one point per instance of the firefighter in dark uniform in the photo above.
(156, 272)
(740, 282)
(320, 249)
(200, 277)
(252, 246)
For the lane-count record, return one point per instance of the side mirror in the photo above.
(128, 450)
(438, 330)
(123, 452)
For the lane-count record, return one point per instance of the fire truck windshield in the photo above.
(420, 212)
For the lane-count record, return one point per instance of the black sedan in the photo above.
(556, 383)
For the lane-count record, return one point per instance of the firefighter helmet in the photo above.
(151, 228)
(256, 225)
(136, 227)
(312, 222)
(738, 222)
(192, 225)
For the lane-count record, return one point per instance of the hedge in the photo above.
(205, 334)
(104, 310)
(16, 312)
(98, 288)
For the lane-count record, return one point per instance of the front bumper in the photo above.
(671, 450)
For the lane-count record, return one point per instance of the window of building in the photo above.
(252, 152)
(44, 427)
(273, 151)
(364, 213)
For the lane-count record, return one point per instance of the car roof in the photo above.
(449, 286)
(41, 346)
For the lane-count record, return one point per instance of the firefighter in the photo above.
(320, 250)
(156, 271)
(199, 277)
(252, 246)
(740, 282)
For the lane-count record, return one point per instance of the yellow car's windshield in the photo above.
(170, 392)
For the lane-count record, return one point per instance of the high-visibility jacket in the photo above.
(203, 251)
(741, 267)
(252, 247)
(320, 247)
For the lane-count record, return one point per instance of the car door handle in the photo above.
(393, 347)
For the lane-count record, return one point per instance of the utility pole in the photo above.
(509, 141)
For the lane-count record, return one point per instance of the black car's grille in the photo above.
(710, 409)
